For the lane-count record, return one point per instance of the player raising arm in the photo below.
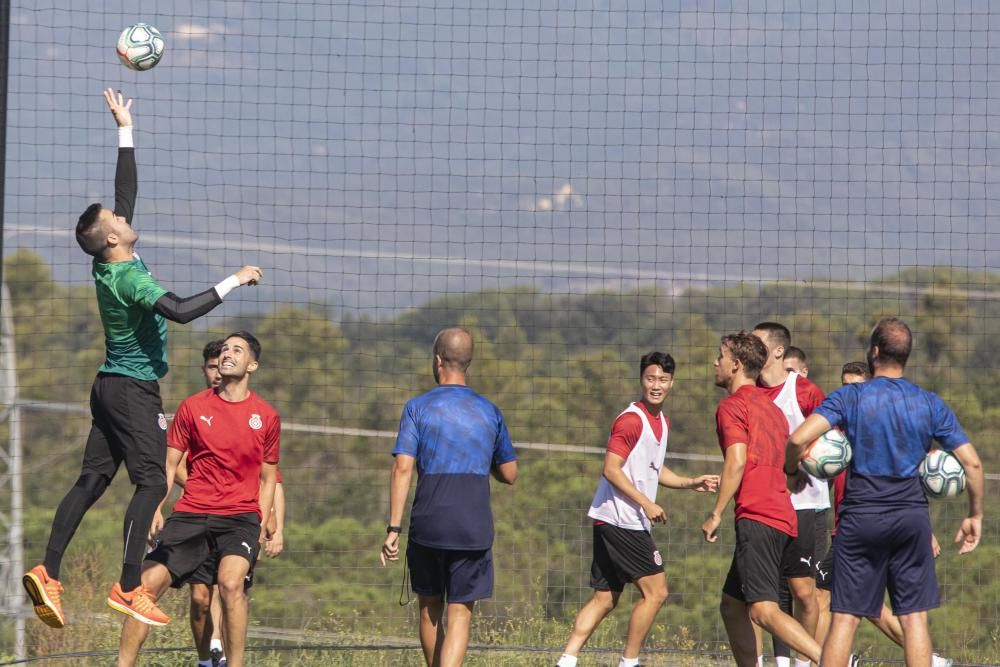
(128, 420)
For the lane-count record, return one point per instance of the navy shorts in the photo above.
(621, 556)
(456, 576)
(887, 550)
(755, 572)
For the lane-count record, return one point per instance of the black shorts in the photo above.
(621, 556)
(799, 557)
(128, 425)
(191, 546)
(824, 571)
(454, 574)
(822, 534)
(755, 572)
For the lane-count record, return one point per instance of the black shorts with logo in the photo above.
(621, 556)
(755, 573)
(128, 426)
(799, 558)
(191, 546)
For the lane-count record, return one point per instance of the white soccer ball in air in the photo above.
(942, 474)
(140, 46)
(828, 455)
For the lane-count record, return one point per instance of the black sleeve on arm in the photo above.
(183, 311)
(126, 184)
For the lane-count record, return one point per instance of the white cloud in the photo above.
(195, 31)
(563, 199)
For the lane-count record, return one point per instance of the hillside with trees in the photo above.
(561, 367)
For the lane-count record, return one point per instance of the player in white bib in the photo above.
(623, 511)
(796, 397)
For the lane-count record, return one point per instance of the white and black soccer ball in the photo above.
(828, 455)
(942, 474)
(140, 46)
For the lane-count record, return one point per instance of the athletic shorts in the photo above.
(191, 545)
(798, 559)
(755, 572)
(824, 570)
(885, 550)
(821, 533)
(128, 425)
(455, 575)
(621, 556)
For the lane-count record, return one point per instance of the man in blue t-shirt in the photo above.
(456, 439)
(884, 533)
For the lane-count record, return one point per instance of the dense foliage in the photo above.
(561, 367)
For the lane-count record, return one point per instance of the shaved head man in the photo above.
(455, 439)
(453, 349)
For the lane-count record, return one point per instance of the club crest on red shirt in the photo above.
(255, 422)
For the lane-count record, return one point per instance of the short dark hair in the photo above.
(792, 352)
(661, 359)
(212, 350)
(748, 350)
(88, 231)
(894, 340)
(251, 341)
(778, 334)
(856, 368)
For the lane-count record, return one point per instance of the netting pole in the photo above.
(4, 69)
(12, 563)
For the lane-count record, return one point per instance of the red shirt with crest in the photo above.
(227, 444)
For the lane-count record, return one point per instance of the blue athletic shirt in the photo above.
(890, 423)
(456, 436)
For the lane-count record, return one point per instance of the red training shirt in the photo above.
(627, 428)
(751, 418)
(227, 444)
(839, 484)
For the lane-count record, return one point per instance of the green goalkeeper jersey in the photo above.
(135, 336)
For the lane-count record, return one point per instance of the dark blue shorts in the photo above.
(457, 576)
(878, 551)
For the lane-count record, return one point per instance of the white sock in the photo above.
(215, 644)
(801, 663)
(760, 661)
(628, 662)
(938, 661)
(567, 661)
(783, 661)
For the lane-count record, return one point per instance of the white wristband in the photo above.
(227, 286)
(125, 137)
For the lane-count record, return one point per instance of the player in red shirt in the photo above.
(624, 509)
(796, 397)
(232, 438)
(206, 603)
(750, 429)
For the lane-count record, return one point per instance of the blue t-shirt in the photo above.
(456, 436)
(890, 423)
